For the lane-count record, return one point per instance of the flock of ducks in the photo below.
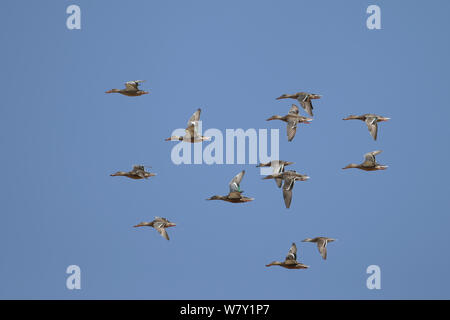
(283, 179)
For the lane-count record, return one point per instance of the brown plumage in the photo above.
(160, 224)
(235, 194)
(289, 177)
(292, 119)
(321, 244)
(131, 89)
(138, 172)
(369, 164)
(304, 98)
(278, 167)
(191, 130)
(371, 121)
(290, 262)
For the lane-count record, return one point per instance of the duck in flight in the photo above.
(321, 244)
(371, 121)
(235, 194)
(290, 262)
(289, 177)
(278, 167)
(191, 130)
(138, 172)
(160, 224)
(292, 119)
(131, 89)
(369, 164)
(304, 98)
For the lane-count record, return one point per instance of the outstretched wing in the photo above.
(195, 117)
(372, 125)
(139, 171)
(163, 232)
(322, 246)
(307, 105)
(133, 85)
(236, 181)
(369, 158)
(192, 125)
(138, 168)
(291, 128)
(160, 221)
(287, 191)
(278, 167)
(292, 254)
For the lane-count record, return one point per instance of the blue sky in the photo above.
(61, 137)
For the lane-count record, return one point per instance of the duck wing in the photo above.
(292, 254)
(372, 125)
(291, 128)
(139, 171)
(138, 167)
(192, 125)
(133, 85)
(236, 181)
(307, 105)
(369, 158)
(322, 246)
(278, 167)
(287, 191)
(163, 232)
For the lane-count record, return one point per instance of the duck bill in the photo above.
(138, 225)
(281, 97)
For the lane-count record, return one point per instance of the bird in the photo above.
(160, 224)
(191, 135)
(131, 89)
(278, 167)
(138, 172)
(304, 98)
(292, 119)
(235, 194)
(369, 164)
(321, 244)
(290, 262)
(371, 121)
(289, 177)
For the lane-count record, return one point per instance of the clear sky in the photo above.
(62, 136)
